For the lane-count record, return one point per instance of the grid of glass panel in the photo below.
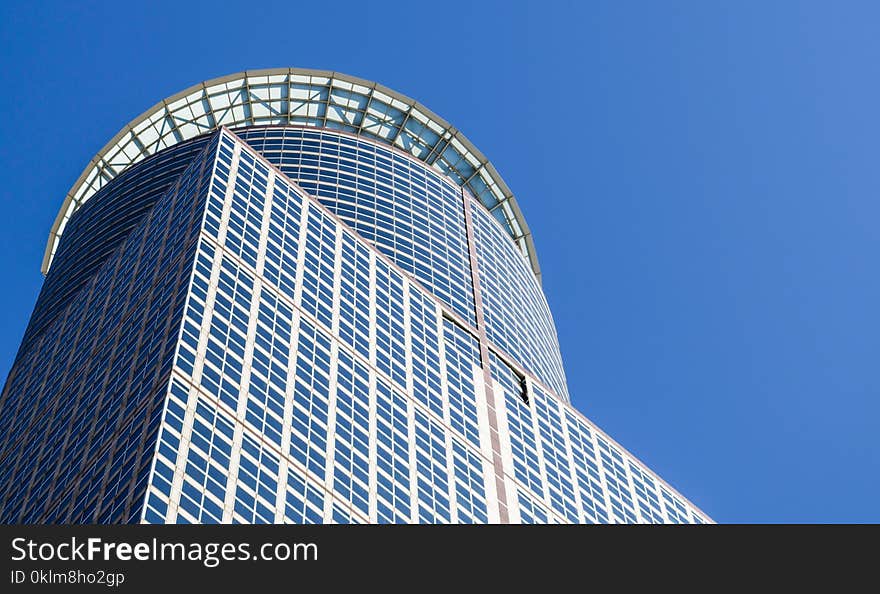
(363, 434)
(82, 404)
(313, 428)
(99, 227)
(306, 98)
(415, 217)
(406, 210)
(313, 380)
(517, 318)
(567, 471)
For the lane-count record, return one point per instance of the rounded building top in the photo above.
(300, 96)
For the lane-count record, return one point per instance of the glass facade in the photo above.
(290, 324)
(83, 402)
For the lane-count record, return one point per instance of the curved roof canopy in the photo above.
(297, 96)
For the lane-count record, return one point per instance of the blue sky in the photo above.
(701, 179)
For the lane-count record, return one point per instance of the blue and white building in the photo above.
(297, 296)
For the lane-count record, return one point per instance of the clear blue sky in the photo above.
(701, 179)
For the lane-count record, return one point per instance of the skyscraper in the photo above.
(298, 296)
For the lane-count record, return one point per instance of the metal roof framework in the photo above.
(301, 97)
